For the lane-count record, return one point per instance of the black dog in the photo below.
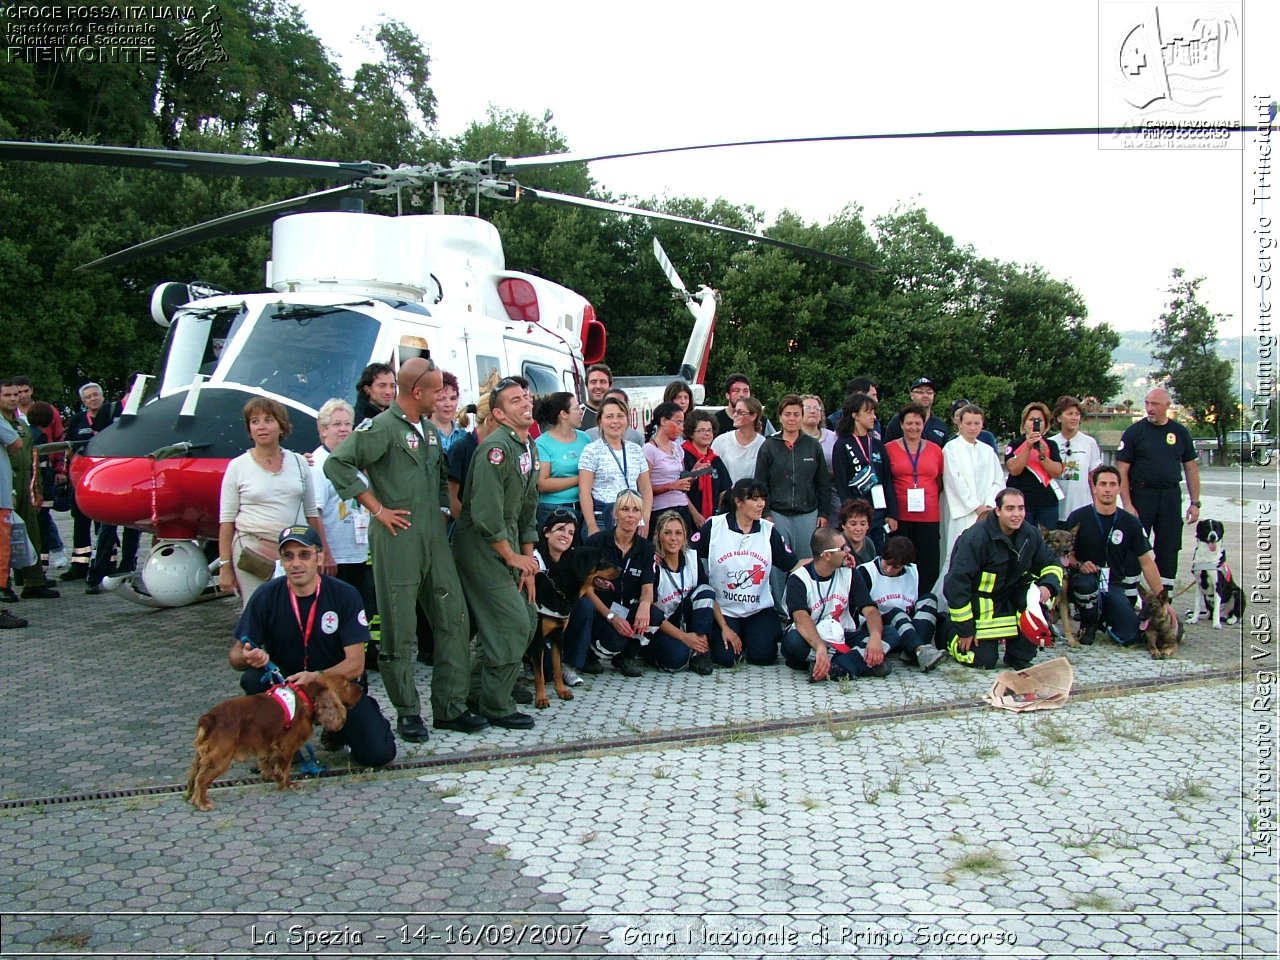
(558, 588)
(1218, 591)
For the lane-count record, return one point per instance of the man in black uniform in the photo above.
(1111, 548)
(1152, 456)
(307, 623)
(935, 428)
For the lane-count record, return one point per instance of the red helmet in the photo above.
(1033, 623)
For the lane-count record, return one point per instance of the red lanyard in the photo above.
(311, 620)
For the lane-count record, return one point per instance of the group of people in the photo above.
(839, 544)
(34, 487)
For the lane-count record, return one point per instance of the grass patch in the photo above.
(661, 773)
(844, 686)
(1094, 902)
(809, 803)
(68, 941)
(1187, 788)
(1050, 733)
(1042, 777)
(870, 791)
(982, 863)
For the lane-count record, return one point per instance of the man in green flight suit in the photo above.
(494, 543)
(408, 495)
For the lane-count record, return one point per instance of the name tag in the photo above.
(915, 500)
(1057, 490)
(877, 497)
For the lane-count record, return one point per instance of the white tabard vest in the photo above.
(738, 567)
(668, 592)
(892, 593)
(829, 600)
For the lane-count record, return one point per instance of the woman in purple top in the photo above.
(665, 456)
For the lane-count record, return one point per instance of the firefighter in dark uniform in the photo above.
(494, 542)
(404, 460)
(992, 565)
(1153, 455)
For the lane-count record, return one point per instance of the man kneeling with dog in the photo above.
(309, 624)
(1110, 556)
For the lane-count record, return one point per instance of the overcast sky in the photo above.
(1113, 222)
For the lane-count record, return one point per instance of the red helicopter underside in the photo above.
(175, 498)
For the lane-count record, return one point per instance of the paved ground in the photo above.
(744, 814)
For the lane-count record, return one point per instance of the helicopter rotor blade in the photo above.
(560, 159)
(570, 200)
(187, 161)
(232, 223)
(669, 269)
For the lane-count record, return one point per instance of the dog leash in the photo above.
(308, 764)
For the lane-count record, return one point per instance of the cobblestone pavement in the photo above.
(1122, 824)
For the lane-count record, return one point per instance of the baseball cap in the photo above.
(300, 534)
(957, 404)
(923, 382)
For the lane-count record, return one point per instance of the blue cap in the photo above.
(301, 534)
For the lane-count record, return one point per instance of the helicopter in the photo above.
(348, 288)
(345, 288)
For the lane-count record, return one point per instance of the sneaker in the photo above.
(627, 666)
(701, 664)
(593, 667)
(9, 622)
(928, 657)
(570, 678)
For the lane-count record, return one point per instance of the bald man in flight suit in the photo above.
(408, 495)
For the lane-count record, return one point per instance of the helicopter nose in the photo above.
(167, 497)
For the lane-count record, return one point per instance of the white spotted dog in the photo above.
(1217, 587)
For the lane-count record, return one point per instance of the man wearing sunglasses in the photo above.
(406, 493)
(494, 543)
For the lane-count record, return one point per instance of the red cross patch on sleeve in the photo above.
(496, 456)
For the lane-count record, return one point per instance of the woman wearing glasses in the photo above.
(1080, 454)
(711, 477)
(609, 466)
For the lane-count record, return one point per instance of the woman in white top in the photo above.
(813, 422)
(609, 466)
(264, 490)
(685, 598)
(739, 447)
(346, 522)
(971, 478)
(1080, 455)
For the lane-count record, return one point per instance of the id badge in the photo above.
(915, 500)
(1057, 490)
(619, 611)
(1104, 580)
(360, 522)
(877, 497)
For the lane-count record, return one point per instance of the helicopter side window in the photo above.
(542, 380)
(194, 343)
(307, 354)
(486, 367)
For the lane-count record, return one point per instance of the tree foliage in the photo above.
(997, 333)
(1186, 340)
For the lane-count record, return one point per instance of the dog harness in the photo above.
(286, 696)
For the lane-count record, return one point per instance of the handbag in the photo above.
(22, 552)
(254, 563)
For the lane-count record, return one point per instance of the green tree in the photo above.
(1186, 341)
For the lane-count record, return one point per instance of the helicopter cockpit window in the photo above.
(305, 353)
(194, 343)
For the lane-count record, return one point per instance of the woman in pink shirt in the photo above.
(665, 456)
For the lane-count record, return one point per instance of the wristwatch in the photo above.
(1194, 503)
(610, 615)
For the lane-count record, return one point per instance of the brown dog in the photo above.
(256, 726)
(557, 589)
(1162, 632)
(1063, 544)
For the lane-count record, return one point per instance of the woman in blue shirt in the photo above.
(559, 447)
